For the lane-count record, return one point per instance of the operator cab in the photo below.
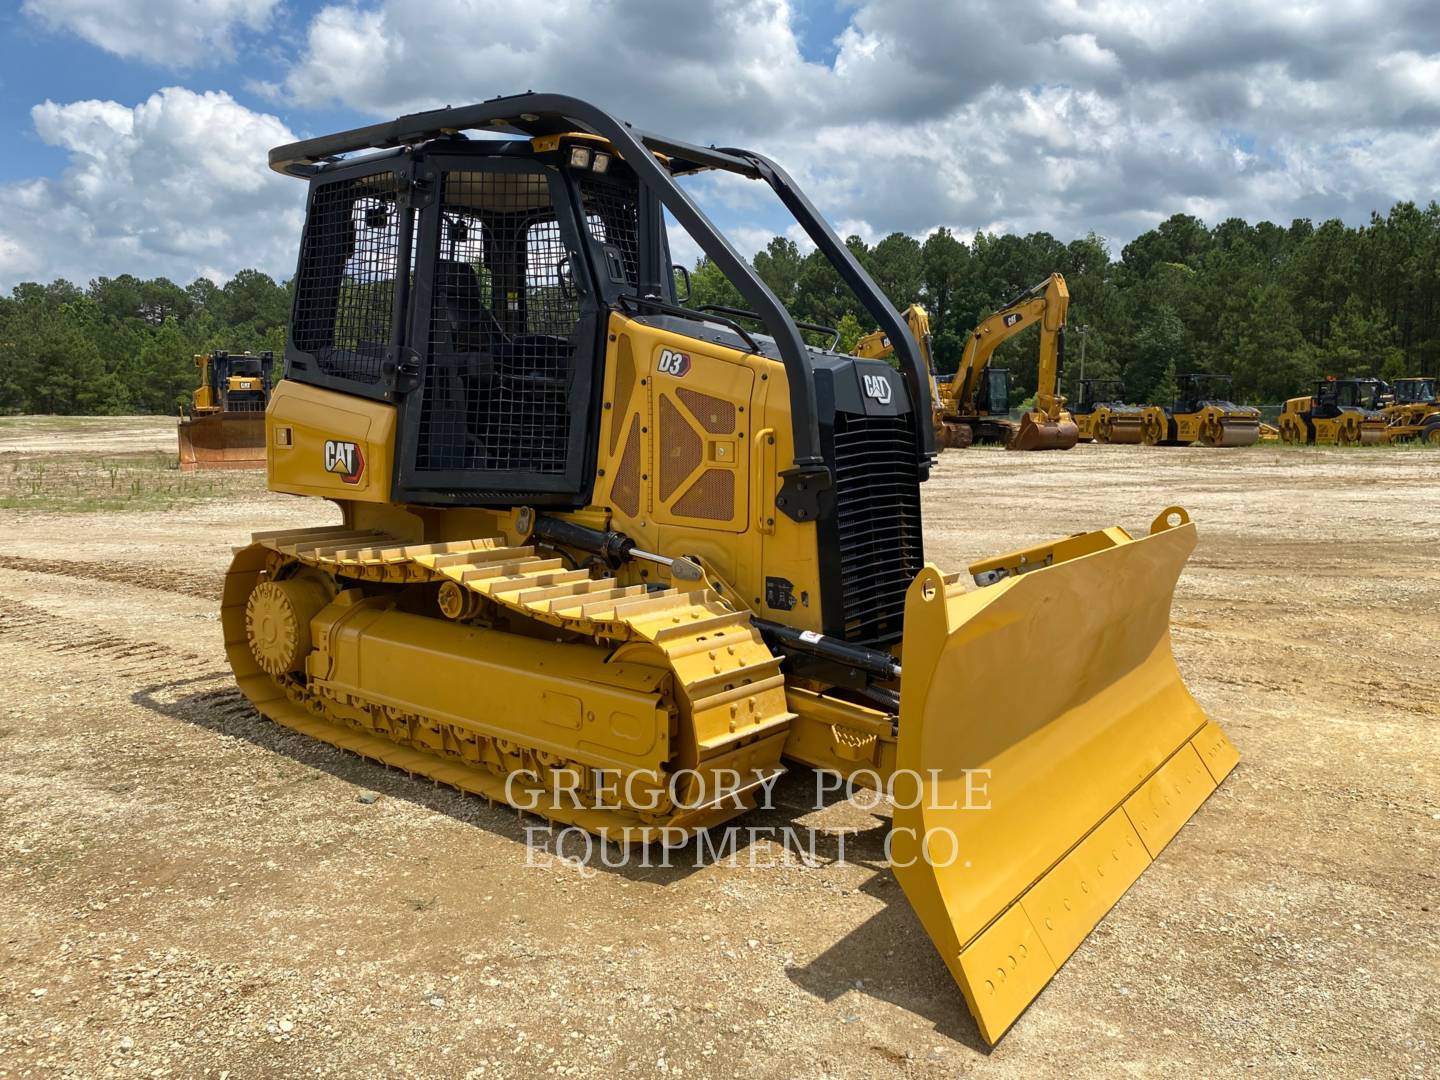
(1197, 391)
(1414, 391)
(1335, 396)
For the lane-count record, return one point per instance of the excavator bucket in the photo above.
(234, 440)
(1048, 750)
(1040, 432)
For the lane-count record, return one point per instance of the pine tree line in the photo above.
(1274, 307)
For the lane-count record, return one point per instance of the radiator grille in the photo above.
(345, 286)
(877, 507)
(502, 330)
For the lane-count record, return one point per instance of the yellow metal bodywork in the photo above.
(876, 345)
(451, 643)
(1102, 760)
(1045, 798)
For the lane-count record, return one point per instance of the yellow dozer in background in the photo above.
(224, 427)
(1341, 412)
(1411, 408)
(1102, 416)
(619, 561)
(1201, 414)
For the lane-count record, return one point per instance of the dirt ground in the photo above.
(189, 891)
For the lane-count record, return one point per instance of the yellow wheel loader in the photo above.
(1102, 416)
(1341, 412)
(619, 562)
(1412, 411)
(1201, 414)
(224, 427)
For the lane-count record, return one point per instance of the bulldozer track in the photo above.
(725, 683)
(203, 587)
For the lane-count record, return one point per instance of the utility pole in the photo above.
(1084, 332)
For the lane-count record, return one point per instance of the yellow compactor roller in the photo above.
(224, 428)
(1102, 415)
(1343, 411)
(1201, 414)
(620, 561)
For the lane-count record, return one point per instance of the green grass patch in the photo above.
(77, 483)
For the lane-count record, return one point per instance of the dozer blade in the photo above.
(1051, 750)
(234, 440)
(1039, 432)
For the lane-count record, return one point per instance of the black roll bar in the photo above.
(554, 114)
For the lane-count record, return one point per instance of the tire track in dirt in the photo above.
(67, 637)
(185, 583)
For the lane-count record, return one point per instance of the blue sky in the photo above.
(1002, 115)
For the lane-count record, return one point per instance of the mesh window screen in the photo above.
(502, 330)
(612, 215)
(345, 287)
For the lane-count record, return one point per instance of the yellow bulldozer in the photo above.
(973, 405)
(1201, 414)
(1411, 408)
(224, 427)
(1103, 416)
(1343, 411)
(620, 562)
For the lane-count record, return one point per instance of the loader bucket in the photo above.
(1040, 432)
(1050, 750)
(234, 440)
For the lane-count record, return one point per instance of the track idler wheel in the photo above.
(277, 622)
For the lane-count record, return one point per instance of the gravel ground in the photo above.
(189, 891)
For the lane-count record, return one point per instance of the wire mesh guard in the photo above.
(503, 326)
(502, 330)
(345, 286)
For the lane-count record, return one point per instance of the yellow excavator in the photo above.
(973, 404)
(224, 427)
(1201, 414)
(1411, 408)
(1102, 415)
(1343, 411)
(619, 561)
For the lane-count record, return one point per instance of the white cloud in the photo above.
(1055, 115)
(177, 185)
(172, 33)
(1059, 115)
